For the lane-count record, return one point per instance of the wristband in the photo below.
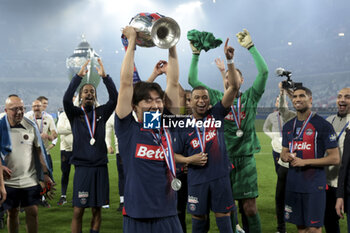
(229, 61)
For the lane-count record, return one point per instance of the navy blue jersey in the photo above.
(147, 190)
(317, 137)
(85, 154)
(186, 143)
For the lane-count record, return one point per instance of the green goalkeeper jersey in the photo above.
(247, 144)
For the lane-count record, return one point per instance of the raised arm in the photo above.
(172, 82)
(285, 112)
(193, 73)
(267, 128)
(233, 78)
(245, 41)
(159, 69)
(126, 90)
(69, 108)
(111, 89)
(220, 64)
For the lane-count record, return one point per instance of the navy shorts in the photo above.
(150, 225)
(215, 195)
(22, 197)
(90, 186)
(305, 209)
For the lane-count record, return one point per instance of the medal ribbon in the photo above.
(300, 132)
(237, 115)
(201, 141)
(342, 131)
(93, 128)
(169, 156)
(41, 127)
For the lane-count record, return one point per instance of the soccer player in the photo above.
(240, 136)
(149, 200)
(91, 183)
(209, 181)
(181, 169)
(306, 138)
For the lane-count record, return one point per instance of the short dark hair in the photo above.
(307, 90)
(199, 88)
(41, 98)
(142, 90)
(239, 71)
(12, 95)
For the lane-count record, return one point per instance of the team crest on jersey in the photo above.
(25, 137)
(210, 135)
(333, 137)
(309, 132)
(149, 152)
(192, 207)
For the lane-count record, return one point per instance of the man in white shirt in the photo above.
(47, 129)
(65, 131)
(20, 170)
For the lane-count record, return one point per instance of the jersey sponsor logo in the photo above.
(82, 194)
(314, 222)
(192, 199)
(230, 117)
(210, 135)
(151, 120)
(149, 152)
(302, 146)
(229, 207)
(309, 132)
(333, 137)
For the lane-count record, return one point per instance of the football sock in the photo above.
(254, 223)
(224, 224)
(199, 226)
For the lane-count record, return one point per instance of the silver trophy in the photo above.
(81, 54)
(155, 30)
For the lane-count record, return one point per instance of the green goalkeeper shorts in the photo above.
(244, 178)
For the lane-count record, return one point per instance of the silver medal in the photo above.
(92, 141)
(176, 184)
(239, 133)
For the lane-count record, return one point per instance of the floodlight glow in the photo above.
(341, 34)
(290, 43)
